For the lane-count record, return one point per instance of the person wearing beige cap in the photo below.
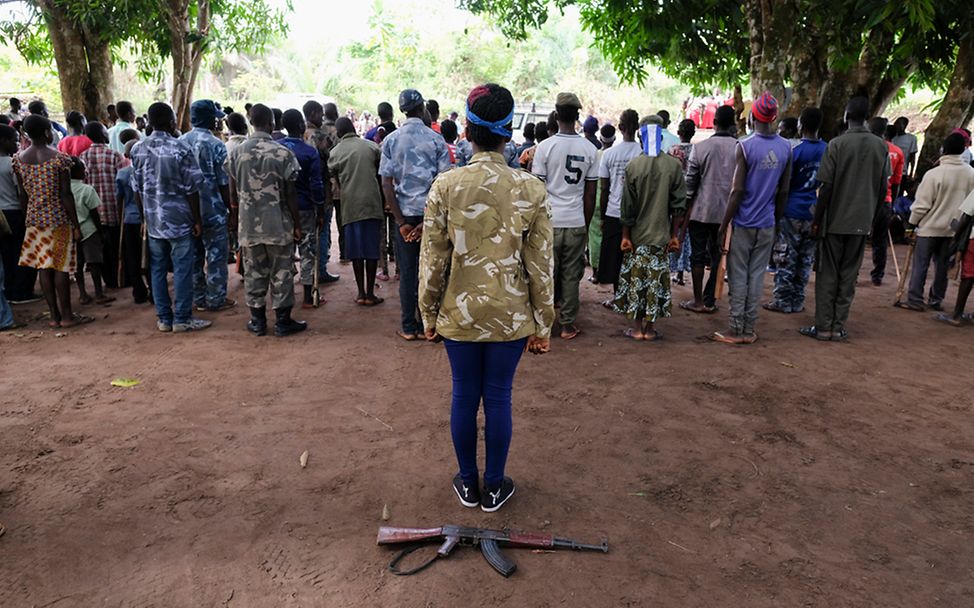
(567, 163)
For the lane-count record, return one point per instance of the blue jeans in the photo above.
(482, 371)
(324, 241)
(181, 253)
(6, 313)
(212, 250)
(407, 261)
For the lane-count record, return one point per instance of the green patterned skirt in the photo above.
(644, 284)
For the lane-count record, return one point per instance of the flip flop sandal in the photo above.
(631, 334)
(840, 336)
(78, 319)
(706, 310)
(373, 301)
(655, 336)
(812, 332)
(407, 337)
(949, 320)
(720, 337)
(571, 335)
(908, 306)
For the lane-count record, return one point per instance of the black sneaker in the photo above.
(469, 496)
(495, 498)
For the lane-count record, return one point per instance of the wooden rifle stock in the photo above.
(392, 536)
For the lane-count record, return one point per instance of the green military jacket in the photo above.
(354, 164)
(260, 168)
(485, 270)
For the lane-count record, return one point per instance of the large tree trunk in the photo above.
(84, 64)
(956, 109)
(770, 26)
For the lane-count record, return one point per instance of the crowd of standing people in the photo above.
(489, 237)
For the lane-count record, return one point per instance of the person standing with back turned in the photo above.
(567, 163)
(485, 287)
(412, 156)
(854, 175)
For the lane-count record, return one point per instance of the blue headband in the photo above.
(496, 127)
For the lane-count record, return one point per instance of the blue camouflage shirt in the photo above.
(310, 185)
(413, 155)
(123, 191)
(211, 156)
(465, 153)
(165, 173)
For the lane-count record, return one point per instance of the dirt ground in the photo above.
(787, 473)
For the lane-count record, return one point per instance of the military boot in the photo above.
(285, 325)
(258, 321)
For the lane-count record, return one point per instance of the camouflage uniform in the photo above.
(412, 155)
(259, 168)
(794, 253)
(323, 139)
(213, 246)
(486, 262)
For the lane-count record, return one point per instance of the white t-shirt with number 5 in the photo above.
(565, 162)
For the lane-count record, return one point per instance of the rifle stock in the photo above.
(392, 536)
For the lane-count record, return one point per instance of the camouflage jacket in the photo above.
(413, 155)
(485, 271)
(260, 168)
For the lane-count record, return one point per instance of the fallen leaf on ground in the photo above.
(385, 512)
(637, 493)
(786, 364)
(714, 523)
(126, 382)
(304, 459)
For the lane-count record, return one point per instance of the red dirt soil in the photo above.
(787, 473)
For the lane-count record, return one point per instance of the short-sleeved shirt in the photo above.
(9, 201)
(165, 174)
(565, 162)
(856, 166)
(74, 145)
(906, 142)
(42, 184)
(85, 201)
(115, 134)
(211, 156)
(101, 166)
(260, 168)
(805, 160)
(613, 168)
(354, 162)
(767, 158)
(123, 191)
(897, 160)
(310, 185)
(413, 155)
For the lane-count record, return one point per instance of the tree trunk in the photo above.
(770, 25)
(84, 64)
(956, 109)
(187, 54)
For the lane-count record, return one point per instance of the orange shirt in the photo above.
(896, 161)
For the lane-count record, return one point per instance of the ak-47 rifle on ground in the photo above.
(489, 541)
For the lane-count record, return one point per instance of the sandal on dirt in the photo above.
(775, 307)
(908, 306)
(949, 320)
(368, 302)
(706, 310)
(652, 336)
(570, 332)
(77, 319)
(813, 332)
(840, 336)
(407, 337)
(631, 334)
(719, 336)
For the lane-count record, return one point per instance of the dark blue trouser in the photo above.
(407, 261)
(482, 371)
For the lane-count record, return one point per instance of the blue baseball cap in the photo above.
(409, 100)
(204, 113)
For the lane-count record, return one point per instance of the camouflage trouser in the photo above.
(269, 266)
(212, 249)
(794, 253)
(308, 247)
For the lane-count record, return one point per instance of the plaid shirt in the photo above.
(101, 167)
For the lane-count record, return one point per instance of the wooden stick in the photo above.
(896, 262)
(722, 267)
(901, 288)
(121, 254)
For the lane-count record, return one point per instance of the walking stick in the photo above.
(896, 262)
(722, 267)
(121, 256)
(315, 292)
(901, 288)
